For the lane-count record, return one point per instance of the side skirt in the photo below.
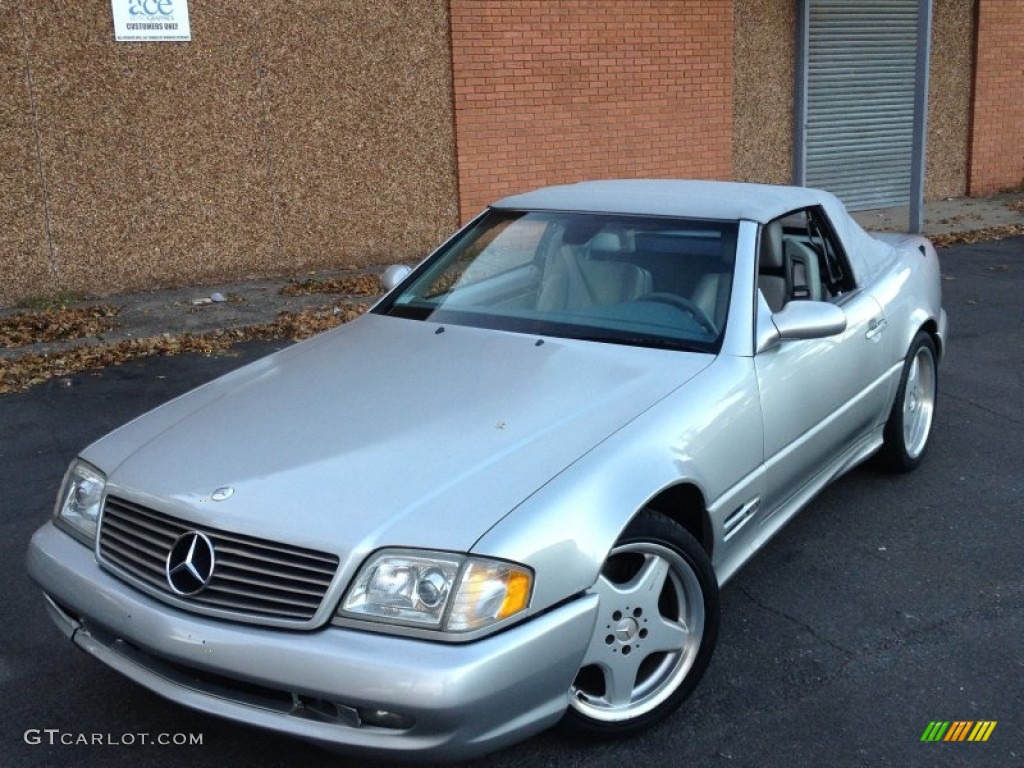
(853, 456)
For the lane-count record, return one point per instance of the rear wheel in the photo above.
(910, 422)
(656, 629)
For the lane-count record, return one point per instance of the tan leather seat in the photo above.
(713, 288)
(803, 274)
(770, 266)
(573, 280)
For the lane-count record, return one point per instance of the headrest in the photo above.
(607, 242)
(771, 246)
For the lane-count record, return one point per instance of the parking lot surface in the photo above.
(890, 602)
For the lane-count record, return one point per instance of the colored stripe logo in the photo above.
(959, 730)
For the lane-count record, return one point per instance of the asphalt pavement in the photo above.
(890, 602)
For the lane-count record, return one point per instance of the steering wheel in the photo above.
(683, 304)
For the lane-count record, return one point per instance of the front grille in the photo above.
(253, 577)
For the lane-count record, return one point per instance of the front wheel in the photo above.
(656, 629)
(910, 421)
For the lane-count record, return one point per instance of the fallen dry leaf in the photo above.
(20, 373)
(360, 285)
(978, 235)
(55, 325)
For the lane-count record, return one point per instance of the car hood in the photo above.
(385, 432)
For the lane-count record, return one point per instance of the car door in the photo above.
(819, 397)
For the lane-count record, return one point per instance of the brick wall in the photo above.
(997, 147)
(553, 91)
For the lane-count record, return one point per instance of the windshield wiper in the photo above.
(647, 341)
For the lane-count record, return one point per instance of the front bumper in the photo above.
(461, 699)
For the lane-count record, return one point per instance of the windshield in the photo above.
(645, 281)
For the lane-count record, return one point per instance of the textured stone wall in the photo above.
(25, 266)
(554, 91)
(284, 137)
(997, 146)
(949, 98)
(764, 60)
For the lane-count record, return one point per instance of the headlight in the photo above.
(80, 501)
(437, 590)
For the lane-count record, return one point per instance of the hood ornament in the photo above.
(222, 493)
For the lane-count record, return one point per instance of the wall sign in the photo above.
(140, 20)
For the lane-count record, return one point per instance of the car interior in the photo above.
(688, 269)
(622, 278)
(798, 259)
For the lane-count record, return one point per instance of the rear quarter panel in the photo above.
(910, 291)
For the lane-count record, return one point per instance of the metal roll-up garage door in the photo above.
(860, 64)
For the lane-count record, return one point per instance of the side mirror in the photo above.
(800, 320)
(393, 275)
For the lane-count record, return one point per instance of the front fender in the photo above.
(707, 433)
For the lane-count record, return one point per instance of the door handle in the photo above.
(875, 328)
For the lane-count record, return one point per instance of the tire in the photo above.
(657, 624)
(910, 422)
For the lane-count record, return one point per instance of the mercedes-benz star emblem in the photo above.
(190, 564)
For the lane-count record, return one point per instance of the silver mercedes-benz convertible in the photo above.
(507, 496)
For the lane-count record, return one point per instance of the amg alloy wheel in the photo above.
(910, 422)
(656, 629)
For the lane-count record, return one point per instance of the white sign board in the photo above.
(138, 20)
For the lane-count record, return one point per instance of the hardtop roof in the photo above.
(722, 200)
